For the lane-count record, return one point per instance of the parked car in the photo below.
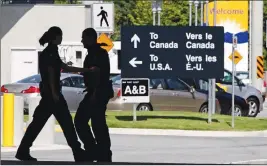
(224, 98)
(252, 95)
(244, 77)
(165, 94)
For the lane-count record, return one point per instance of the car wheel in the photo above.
(237, 111)
(204, 108)
(253, 107)
(144, 107)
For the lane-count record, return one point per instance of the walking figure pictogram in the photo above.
(104, 15)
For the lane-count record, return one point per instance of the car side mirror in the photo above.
(192, 89)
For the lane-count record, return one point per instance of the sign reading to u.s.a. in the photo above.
(135, 90)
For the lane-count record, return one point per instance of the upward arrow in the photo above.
(135, 39)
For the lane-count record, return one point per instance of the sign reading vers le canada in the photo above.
(172, 51)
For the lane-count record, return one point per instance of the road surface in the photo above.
(168, 149)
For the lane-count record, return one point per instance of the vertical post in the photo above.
(213, 80)
(134, 112)
(154, 10)
(201, 13)
(233, 81)
(190, 12)
(256, 40)
(196, 7)
(8, 120)
(159, 11)
(209, 87)
(250, 30)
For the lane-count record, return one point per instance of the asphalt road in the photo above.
(168, 149)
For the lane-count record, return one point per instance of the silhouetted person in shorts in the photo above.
(104, 15)
(93, 106)
(52, 101)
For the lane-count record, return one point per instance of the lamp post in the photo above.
(154, 10)
(190, 12)
(159, 5)
(196, 6)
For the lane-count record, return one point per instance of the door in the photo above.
(159, 97)
(78, 87)
(226, 81)
(69, 93)
(181, 97)
(24, 63)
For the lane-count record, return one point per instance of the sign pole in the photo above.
(134, 112)
(190, 12)
(233, 79)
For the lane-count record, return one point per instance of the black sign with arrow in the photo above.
(169, 51)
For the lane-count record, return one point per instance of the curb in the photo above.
(258, 161)
(37, 148)
(189, 133)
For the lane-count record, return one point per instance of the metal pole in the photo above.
(213, 80)
(134, 112)
(256, 40)
(201, 15)
(190, 12)
(196, 6)
(159, 10)
(233, 85)
(250, 51)
(209, 88)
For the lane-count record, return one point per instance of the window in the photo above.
(78, 82)
(227, 79)
(175, 84)
(156, 84)
(31, 79)
(116, 80)
(66, 82)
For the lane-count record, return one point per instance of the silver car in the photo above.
(72, 89)
(252, 95)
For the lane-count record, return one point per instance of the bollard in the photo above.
(8, 120)
(47, 135)
(18, 119)
(2, 120)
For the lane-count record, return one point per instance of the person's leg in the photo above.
(101, 132)
(83, 129)
(101, 21)
(40, 117)
(106, 21)
(64, 119)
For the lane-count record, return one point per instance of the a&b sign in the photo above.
(135, 90)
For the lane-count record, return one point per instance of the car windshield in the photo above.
(242, 75)
(31, 79)
(116, 80)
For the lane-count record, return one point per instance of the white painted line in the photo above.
(37, 148)
(256, 161)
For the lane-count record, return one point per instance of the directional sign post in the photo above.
(135, 91)
(168, 51)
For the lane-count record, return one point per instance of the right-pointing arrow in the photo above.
(133, 62)
(135, 39)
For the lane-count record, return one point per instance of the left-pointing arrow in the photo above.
(134, 62)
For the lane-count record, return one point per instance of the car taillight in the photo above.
(119, 93)
(264, 84)
(31, 89)
(3, 89)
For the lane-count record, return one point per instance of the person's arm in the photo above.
(77, 69)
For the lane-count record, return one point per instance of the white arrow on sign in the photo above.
(135, 39)
(133, 62)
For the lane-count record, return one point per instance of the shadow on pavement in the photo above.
(14, 162)
(143, 118)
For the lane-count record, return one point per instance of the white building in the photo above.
(23, 25)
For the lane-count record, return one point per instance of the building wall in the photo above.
(23, 25)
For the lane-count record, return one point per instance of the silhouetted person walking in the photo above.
(104, 15)
(52, 101)
(93, 106)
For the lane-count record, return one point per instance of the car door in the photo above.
(181, 97)
(69, 93)
(226, 81)
(159, 96)
(78, 88)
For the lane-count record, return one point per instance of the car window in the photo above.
(66, 82)
(78, 82)
(242, 75)
(175, 84)
(156, 84)
(31, 79)
(227, 79)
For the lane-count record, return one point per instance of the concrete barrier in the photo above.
(47, 135)
(12, 119)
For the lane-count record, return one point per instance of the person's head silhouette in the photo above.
(101, 7)
(52, 36)
(89, 37)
